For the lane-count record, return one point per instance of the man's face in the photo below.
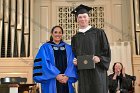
(83, 20)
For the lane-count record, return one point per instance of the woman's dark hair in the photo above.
(51, 38)
(115, 64)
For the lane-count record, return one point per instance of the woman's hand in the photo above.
(62, 78)
(123, 72)
(117, 73)
(59, 77)
(115, 76)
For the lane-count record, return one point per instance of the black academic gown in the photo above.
(93, 42)
(125, 83)
(61, 64)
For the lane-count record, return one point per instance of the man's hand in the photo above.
(96, 59)
(75, 61)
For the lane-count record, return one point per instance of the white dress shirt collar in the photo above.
(85, 29)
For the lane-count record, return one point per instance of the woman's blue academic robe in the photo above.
(45, 71)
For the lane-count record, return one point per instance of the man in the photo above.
(91, 41)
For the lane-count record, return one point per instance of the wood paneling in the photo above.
(136, 66)
(16, 67)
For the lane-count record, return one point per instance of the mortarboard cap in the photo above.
(81, 9)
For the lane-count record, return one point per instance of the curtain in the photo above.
(121, 52)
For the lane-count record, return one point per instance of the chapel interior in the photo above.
(26, 24)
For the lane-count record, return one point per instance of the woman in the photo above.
(53, 65)
(119, 81)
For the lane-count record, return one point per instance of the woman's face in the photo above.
(118, 67)
(83, 20)
(57, 35)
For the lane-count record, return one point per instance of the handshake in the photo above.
(62, 78)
